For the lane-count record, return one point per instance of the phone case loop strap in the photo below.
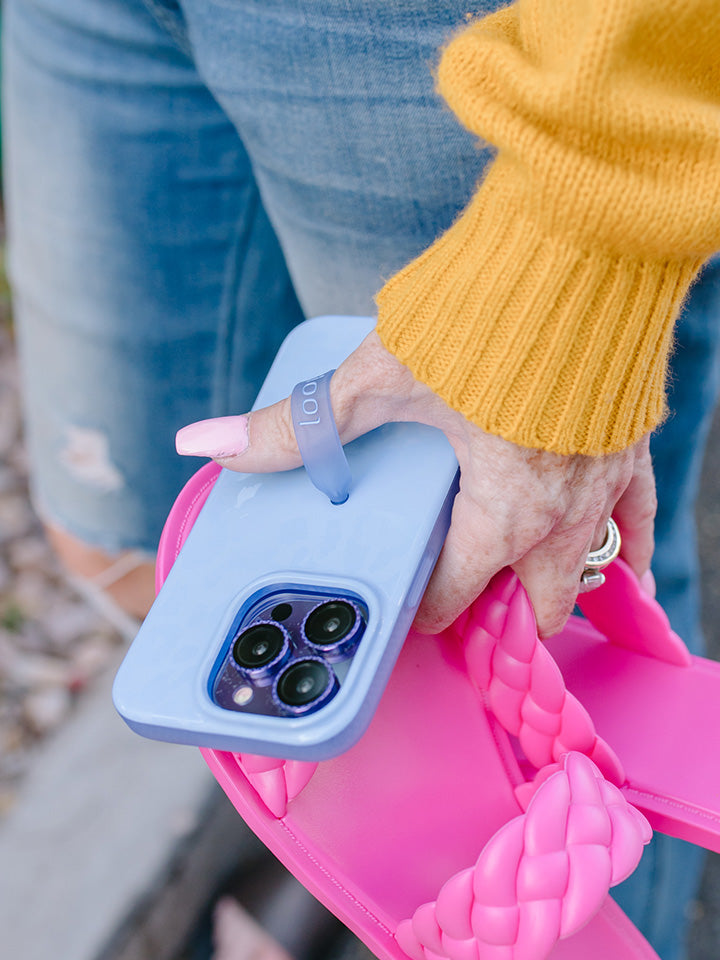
(318, 439)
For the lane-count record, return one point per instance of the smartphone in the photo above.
(279, 624)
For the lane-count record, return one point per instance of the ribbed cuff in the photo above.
(531, 339)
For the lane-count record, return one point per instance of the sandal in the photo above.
(376, 833)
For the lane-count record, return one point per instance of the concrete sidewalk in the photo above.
(115, 846)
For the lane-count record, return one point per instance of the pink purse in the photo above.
(486, 812)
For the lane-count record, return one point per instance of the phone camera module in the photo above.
(333, 627)
(261, 648)
(305, 685)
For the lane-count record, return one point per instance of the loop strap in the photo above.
(318, 439)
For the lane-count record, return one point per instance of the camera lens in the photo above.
(330, 623)
(305, 683)
(259, 646)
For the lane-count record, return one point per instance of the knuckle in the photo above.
(284, 431)
(647, 510)
(554, 619)
(343, 405)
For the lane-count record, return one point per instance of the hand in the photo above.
(537, 512)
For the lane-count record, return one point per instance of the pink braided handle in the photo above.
(277, 782)
(539, 879)
(523, 685)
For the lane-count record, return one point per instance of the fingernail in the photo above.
(218, 438)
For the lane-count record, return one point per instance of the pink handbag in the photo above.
(486, 813)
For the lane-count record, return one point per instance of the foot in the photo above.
(127, 579)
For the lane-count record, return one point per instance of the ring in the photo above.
(604, 555)
(318, 439)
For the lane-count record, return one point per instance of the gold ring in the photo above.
(597, 559)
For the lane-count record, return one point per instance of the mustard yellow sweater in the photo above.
(545, 313)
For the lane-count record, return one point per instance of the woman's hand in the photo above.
(537, 512)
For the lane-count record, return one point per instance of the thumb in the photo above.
(364, 393)
(258, 442)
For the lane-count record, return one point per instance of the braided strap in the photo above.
(523, 684)
(276, 782)
(539, 879)
(630, 617)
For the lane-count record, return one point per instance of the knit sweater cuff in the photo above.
(534, 340)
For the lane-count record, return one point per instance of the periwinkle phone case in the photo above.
(275, 536)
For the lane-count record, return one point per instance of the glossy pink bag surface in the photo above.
(484, 815)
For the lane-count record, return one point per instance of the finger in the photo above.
(474, 551)
(634, 514)
(227, 440)
(601, 532)
(370, 388)
(551, 572)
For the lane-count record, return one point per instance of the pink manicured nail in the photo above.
(218, 438)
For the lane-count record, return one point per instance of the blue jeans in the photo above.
(185, 181)
(180, 191)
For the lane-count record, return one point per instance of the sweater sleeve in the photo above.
(545, 313)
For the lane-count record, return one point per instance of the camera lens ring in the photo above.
(347, 620)
(305, 685)
(259, 663)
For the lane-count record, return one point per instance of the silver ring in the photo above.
(604, 555)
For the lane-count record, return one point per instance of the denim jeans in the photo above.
(184, 182)
(175, 185)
